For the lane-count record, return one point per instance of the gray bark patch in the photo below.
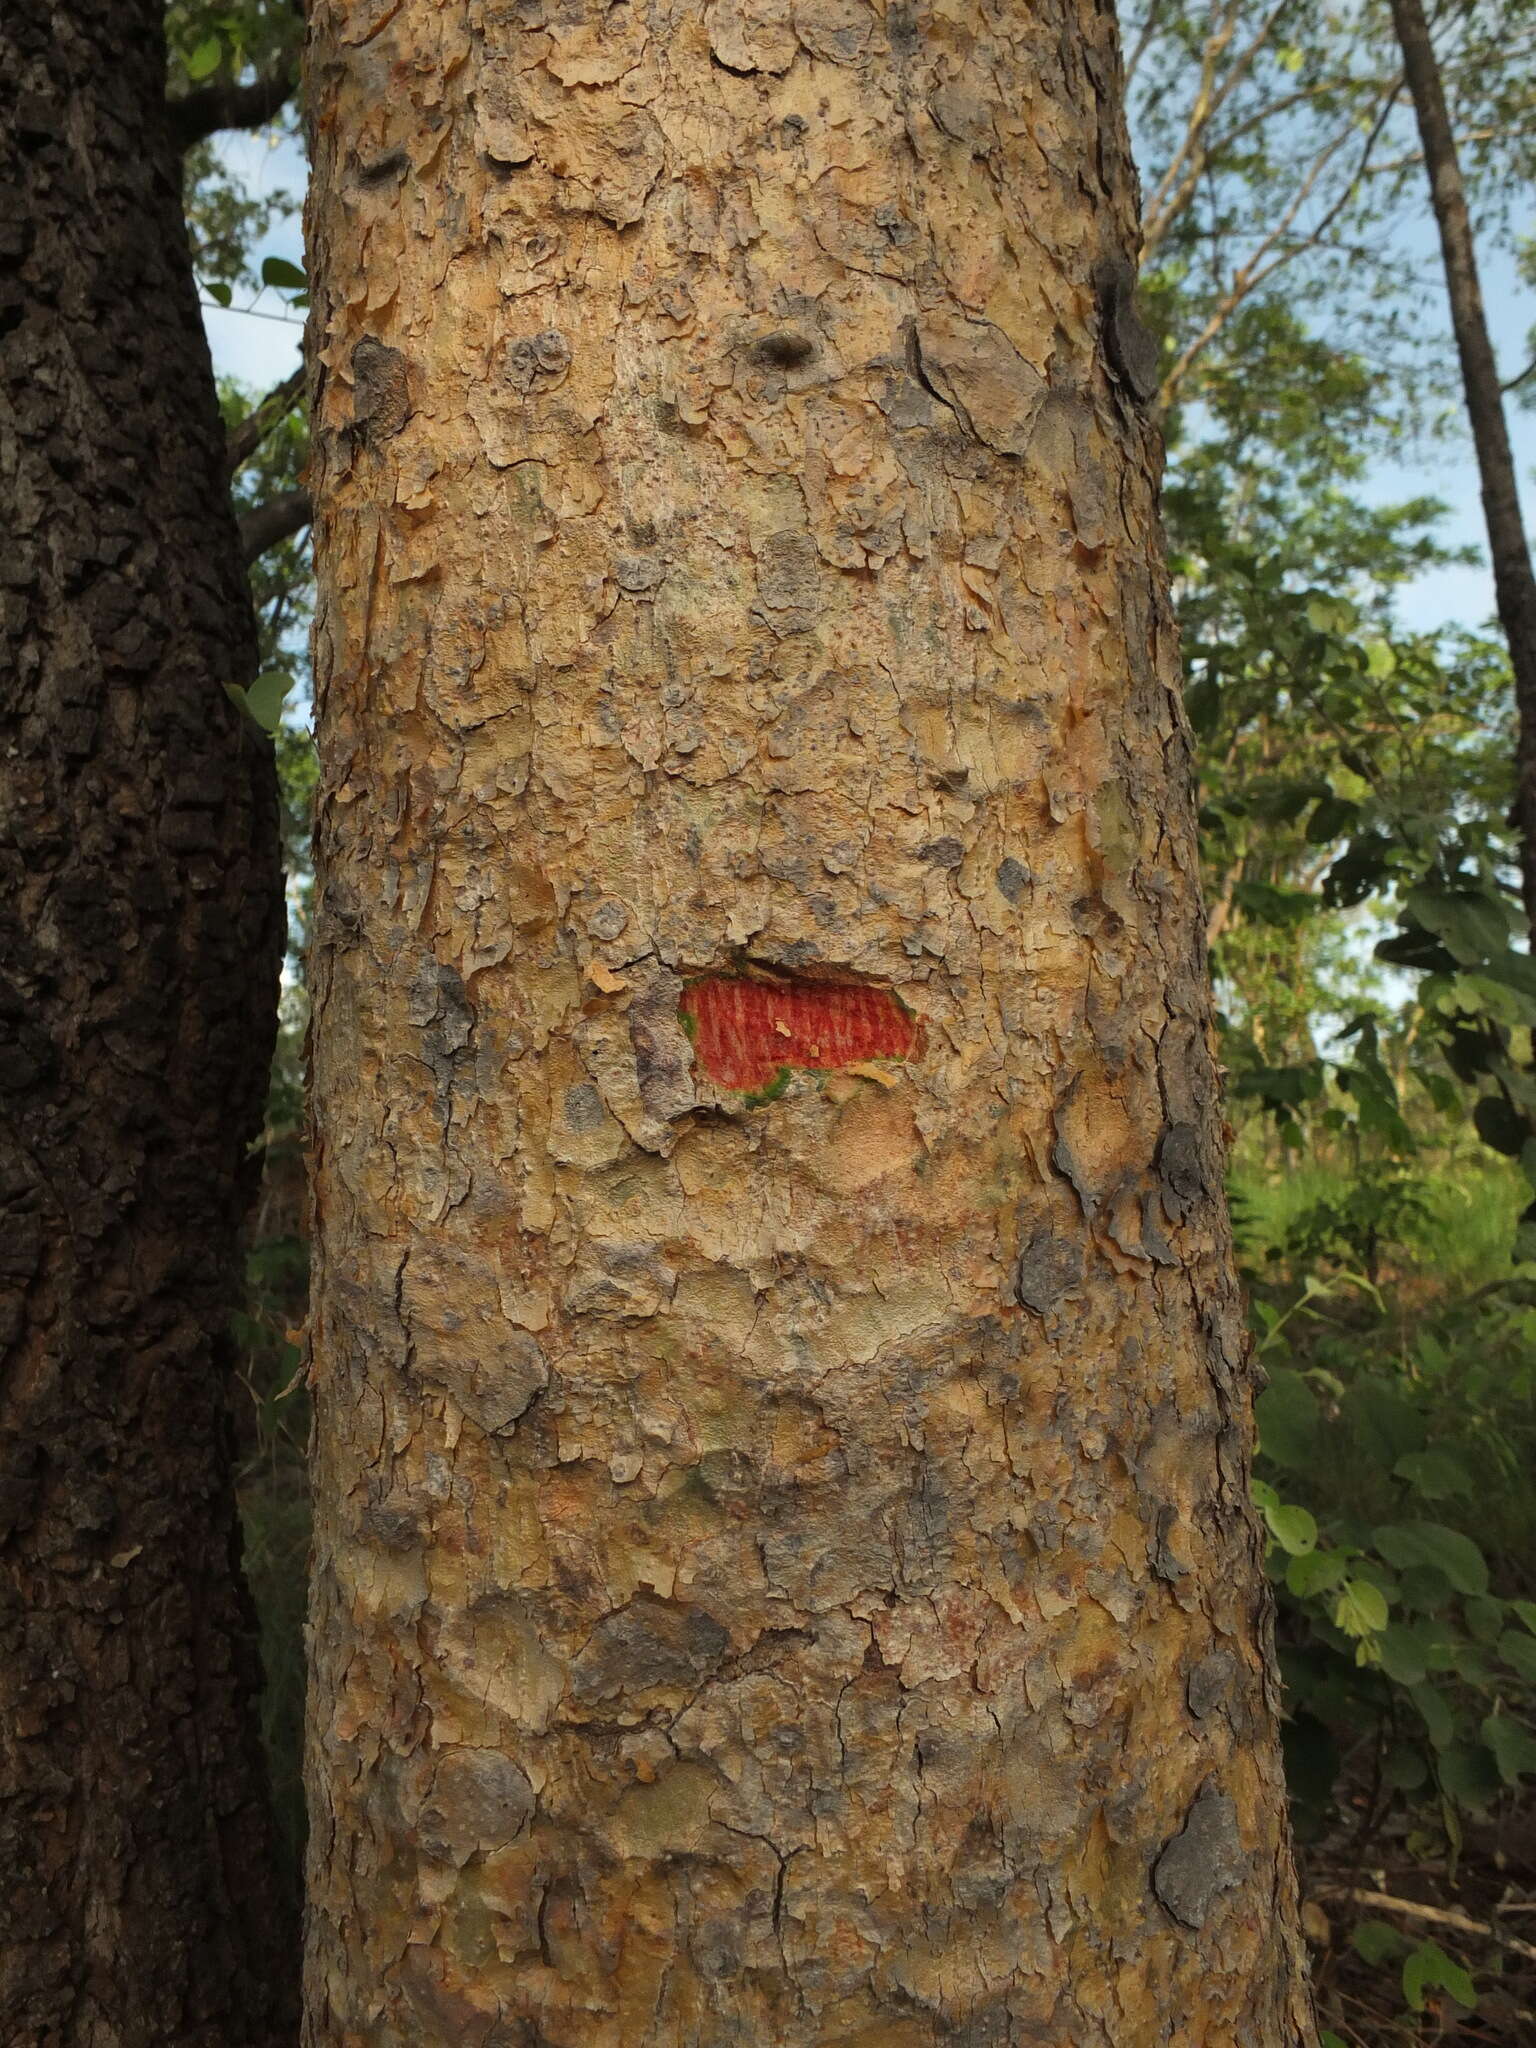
(1047, 1268)
(1179, 1170)
(479, 1800)
(663, 1056)
(647, 1644)
(381, 390)
(584, 1107)
(1131, 352)
(787, 582)
(1204, 1859)
(1210, 1681)
(1013, 878)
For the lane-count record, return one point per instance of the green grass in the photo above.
(1465, 1241)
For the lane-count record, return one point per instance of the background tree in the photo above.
(142, 922)
(1513, 581)
(784, 1562)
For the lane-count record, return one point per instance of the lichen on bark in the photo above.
(762, 584)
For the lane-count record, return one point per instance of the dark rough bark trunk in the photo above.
(140, 916)
(1513, 582)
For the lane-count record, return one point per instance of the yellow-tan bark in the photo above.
(784, 1572)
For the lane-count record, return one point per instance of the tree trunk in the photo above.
(140, 919)
(1513, 582)
(784, 1565)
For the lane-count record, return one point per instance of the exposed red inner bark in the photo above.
(745, 1032)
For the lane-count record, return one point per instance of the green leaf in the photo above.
(1360, 1609)
(1435, 1474)
(1430, 1968)
(221, 294)
(1485, 1617)
(1318, 1571)
(1387, 1426)
(1282, 1086)
(205, 58)
(1404, 1768)
(1512, 1745)
(1402, 1659)
(1327, 614)
(1293, 1529)
(1434, 1713)
(1288, 1419)
(1334, 816)
(1470, 1774)
(1379, 659)
(1412, 1543)
(1519, 1653)
(1473, 925)
(1526, 1609)
(1471, 1664)
(1437, 1645)
(1424, 1589)
(277, 270)
(264, 699)
(1430, 1352)
(1375, 1942)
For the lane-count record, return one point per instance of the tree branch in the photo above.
(1147, 31)
(197, 115)
(1256, 270)
(1210, 99)
(247, 435)
(1158, 226)
(1438, 1916)
(265, 525)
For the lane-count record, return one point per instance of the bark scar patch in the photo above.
(748, 1034)
(1204, 1859)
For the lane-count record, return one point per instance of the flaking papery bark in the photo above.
(770, 1536)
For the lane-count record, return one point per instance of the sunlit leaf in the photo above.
(1293, 1528)
(1360, 1609)
(205, 58)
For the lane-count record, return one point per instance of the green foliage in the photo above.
(1396, 1430)
(273, 1419)
(210, 44)
(229, 38)
(224, 218)
(1430, 1967)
